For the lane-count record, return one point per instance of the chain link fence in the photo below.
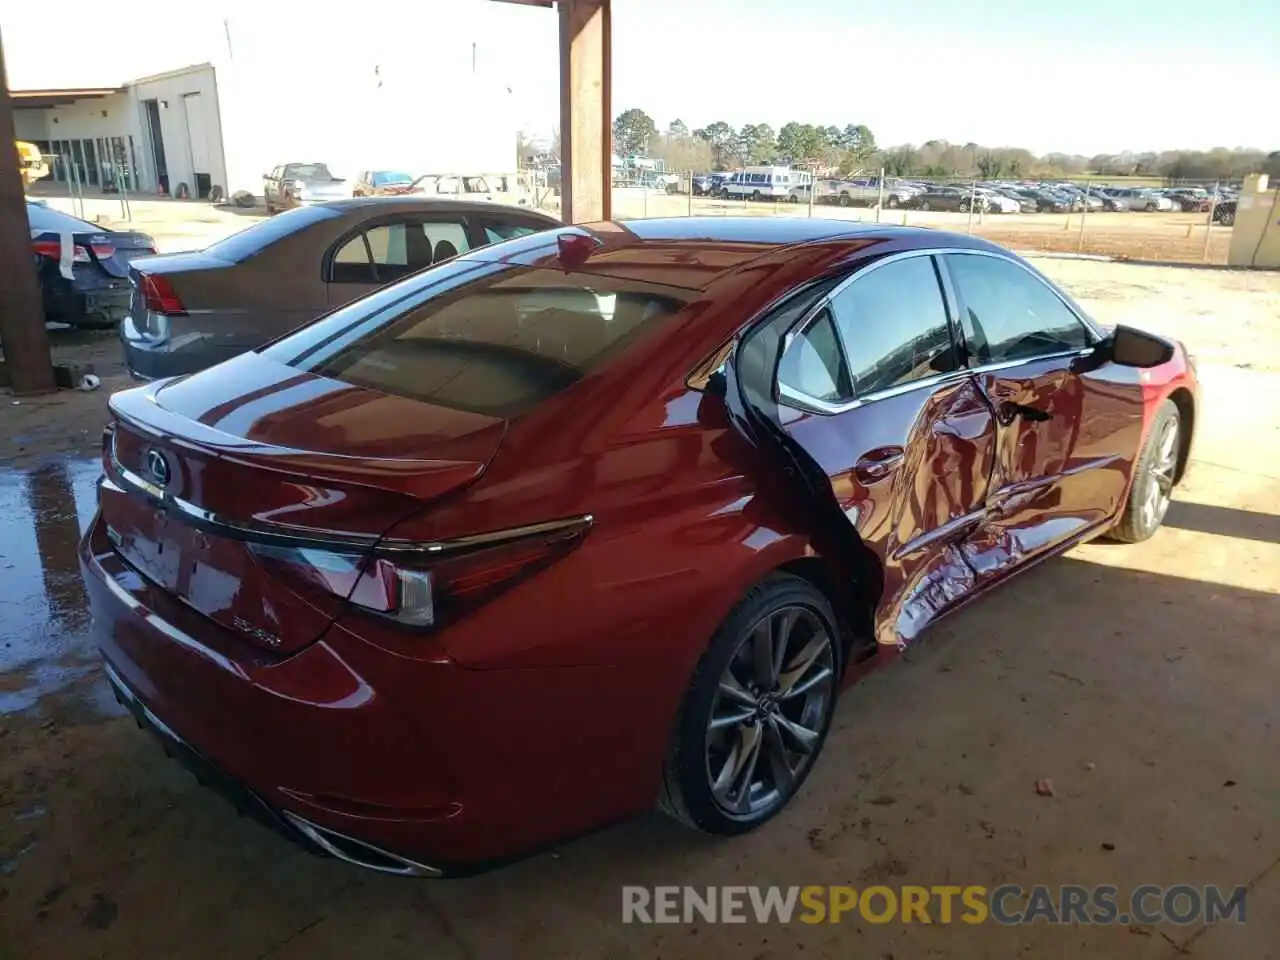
(1126, 218)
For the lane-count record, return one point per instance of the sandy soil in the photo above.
(1139, 679)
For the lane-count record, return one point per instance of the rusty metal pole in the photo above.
(22, 333)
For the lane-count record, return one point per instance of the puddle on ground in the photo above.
(45, 644)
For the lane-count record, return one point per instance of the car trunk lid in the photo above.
(198, 483)
(112, 251)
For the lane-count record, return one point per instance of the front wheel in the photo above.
(924, 205)
(757, 710)
(1154, 474)
(892, 202)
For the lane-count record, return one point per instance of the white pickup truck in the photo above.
(865, 191)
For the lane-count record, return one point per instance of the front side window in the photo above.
(1008, 314)
(495, 232)
(495, 340)
(893, 325)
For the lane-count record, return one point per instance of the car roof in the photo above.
(694, 252)
(395, 204)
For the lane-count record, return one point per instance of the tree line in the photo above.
(852, 148)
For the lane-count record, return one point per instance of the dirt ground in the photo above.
(1139, 679)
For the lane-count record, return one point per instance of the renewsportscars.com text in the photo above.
(1006, 904)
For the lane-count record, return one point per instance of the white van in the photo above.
(766, 183)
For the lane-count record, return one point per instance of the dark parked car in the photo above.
(192, 310)
(384, 183)
(942, 198)
(83, 268)
(1225, 213)
(505, 551)
(296, 184)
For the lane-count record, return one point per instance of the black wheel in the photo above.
(891, 202)
(844, 200)
(793, 198)
(270, 209)
(757, 711)
(1153, 478)
(1150, 208)
(755, 196)
(1228, 219)
(924, 204)
(724, 195)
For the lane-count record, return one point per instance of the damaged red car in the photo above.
(601, 517)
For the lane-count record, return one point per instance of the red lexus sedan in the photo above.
(601, 517)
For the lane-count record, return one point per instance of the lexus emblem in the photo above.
(158, 467)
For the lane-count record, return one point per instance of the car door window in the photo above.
(892, 323)
(353, 262)
(495, 232)
(812, 366)
(445, 238)
(1008, 314)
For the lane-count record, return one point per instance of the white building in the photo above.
(355, 97)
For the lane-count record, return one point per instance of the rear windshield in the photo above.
(485, 338)
(240, 246)
(308, 171)
(43, 218)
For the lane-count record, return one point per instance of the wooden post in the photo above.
(586, 112)
(27, 358)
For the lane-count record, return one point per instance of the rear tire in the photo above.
(1154, 473)
(737, 758)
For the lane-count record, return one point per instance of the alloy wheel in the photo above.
(769, 712)
(1160, 482)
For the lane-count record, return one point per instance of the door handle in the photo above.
(878, 464)
(1010, 410)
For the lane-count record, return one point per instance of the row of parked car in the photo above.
(993, 196)
(296, 184)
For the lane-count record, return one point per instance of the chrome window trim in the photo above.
(799, 400)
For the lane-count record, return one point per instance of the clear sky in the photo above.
(1088, 76)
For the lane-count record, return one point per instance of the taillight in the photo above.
(419, 589)
(80, 254)
(158, 295)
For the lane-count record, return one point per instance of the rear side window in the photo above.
(498, 344)
(392, 251)
(893, 324)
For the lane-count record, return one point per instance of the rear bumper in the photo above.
(309, 836)
(157, 359)
(82, 303)
(406, 764)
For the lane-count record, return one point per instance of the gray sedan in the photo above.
(192, 310)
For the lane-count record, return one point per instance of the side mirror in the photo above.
(1130, 347)
(266, 176)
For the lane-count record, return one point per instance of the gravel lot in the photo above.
(1140, 679)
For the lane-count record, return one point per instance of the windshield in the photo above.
(309, 171)
(385, 178)
(481, 337)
